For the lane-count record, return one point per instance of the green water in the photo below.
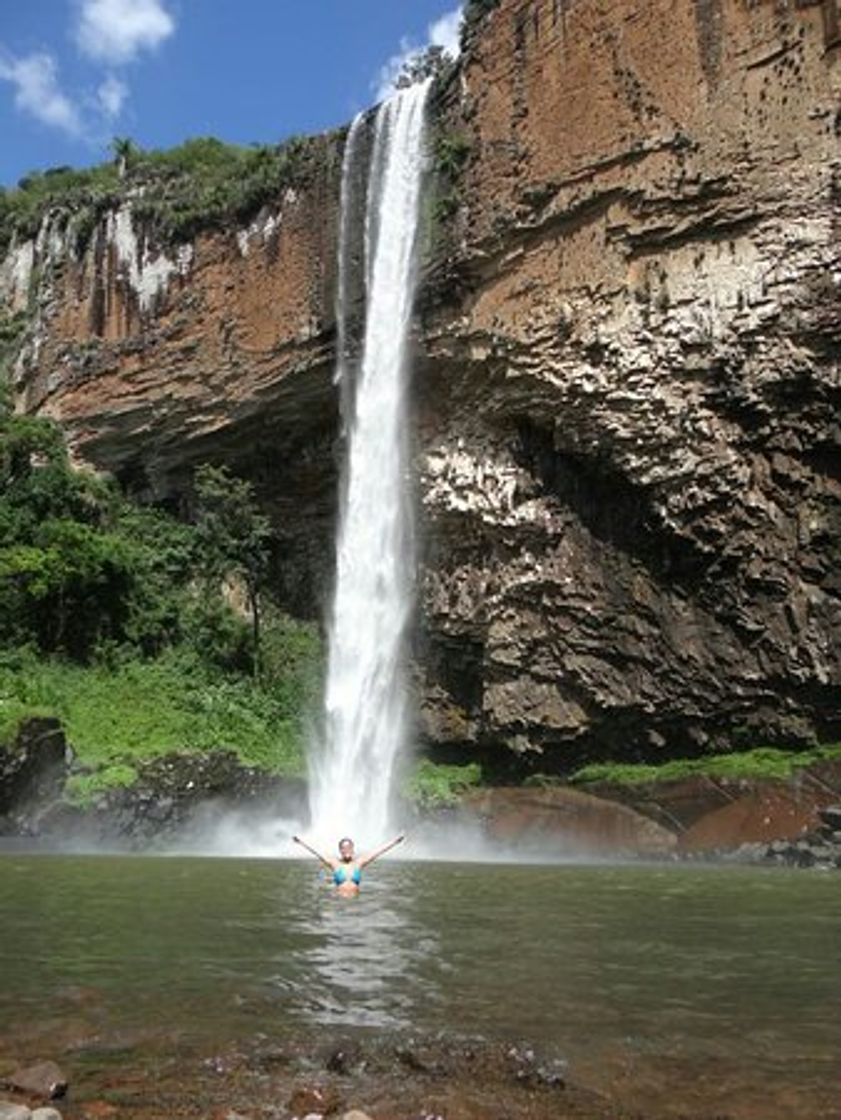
(646, 979)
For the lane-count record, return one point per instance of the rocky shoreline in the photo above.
(362, 1076)
(794, 822)
(169, 793)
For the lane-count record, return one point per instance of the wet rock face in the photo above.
(33, 766)
(628, 452)
(172, 799)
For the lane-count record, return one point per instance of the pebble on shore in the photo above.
(9, 1110)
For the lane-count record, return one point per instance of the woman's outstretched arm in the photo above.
(363, 861)
(327, 862)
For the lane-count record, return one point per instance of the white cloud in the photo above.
(442, 32)
(37, 92)
(111, 96)
(116, 31)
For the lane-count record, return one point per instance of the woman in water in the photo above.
(347, 869)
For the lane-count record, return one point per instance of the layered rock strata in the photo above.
(631, 467)
(628, 451)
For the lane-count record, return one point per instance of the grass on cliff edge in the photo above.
(200, 184)
(762, 762)
(114, 717)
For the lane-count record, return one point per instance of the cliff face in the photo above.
(629, 457)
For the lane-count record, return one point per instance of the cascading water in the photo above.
(366, 707)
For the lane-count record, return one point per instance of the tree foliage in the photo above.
(115, 618)
(427, 63)
(64, 577)
(82, 570)
(233, 538)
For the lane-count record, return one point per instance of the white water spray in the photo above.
(366, 706)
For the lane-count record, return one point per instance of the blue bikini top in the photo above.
(340, 876)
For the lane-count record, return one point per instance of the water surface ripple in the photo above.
(731, 974)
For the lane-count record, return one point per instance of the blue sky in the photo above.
(75, 73)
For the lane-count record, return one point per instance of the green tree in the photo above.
(64, 575)
(233, 539)
(125, 152)
(427, 63)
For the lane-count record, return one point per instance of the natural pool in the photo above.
(702, 991)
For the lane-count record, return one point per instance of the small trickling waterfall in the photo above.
(366, 709)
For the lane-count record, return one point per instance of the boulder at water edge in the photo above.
(567, 820)
(41, 1079)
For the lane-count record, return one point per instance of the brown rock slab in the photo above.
(771, 813)
(569, 820)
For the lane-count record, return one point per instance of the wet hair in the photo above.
(346, 840)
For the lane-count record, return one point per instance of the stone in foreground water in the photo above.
(41, 1079)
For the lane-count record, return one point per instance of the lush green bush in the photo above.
(86, 191)
(202, 183)
(83, 789)
(436, 785)
(113, 618)
(762, 762)
(65, 574)
(118, 714)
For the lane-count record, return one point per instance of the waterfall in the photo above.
(366, 706)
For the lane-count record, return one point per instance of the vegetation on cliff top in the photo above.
(202, 184)
(115, 619)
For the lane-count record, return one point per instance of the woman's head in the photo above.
(346, 849)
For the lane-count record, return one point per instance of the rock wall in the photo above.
(629, 457)
(631, 469)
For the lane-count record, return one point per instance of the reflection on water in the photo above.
(726, 979)
(368, 963)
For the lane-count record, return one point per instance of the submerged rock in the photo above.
(41, 1079)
